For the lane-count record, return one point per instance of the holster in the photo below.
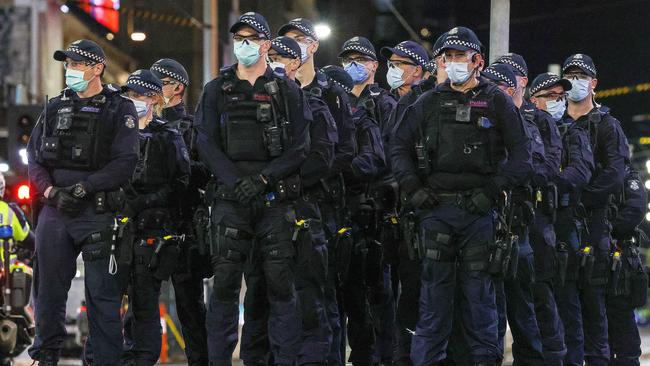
(562, 259)
(344, 250)
(550, 202)
(586, 260)
(500, 253)
(513, 266)
(164, 258)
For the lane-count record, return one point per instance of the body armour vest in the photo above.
(152, 170)
(537, 143)
(460, 135)
(77, 136)
(254, 127)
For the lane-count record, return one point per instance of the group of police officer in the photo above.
(409, 224)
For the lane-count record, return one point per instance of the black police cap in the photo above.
(581, 61)
(409, 49)
(548, 80)
(300, 24)
(501, 73)
(360, 45)
(143, 82)
(82, 50)
(339, 76)
(286, 47)
(166, 67)
(255, 21)
(437, 47)
(516, 61)
(462, 39)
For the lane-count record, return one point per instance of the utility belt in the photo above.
(287, 189)
(103, 202)
(330, 190)
(152, 219)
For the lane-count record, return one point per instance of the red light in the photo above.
(24, 192)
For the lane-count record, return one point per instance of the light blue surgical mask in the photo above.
(394, 77)
(277, 66)
(458, 72)
(579, 90)
(357, 71)
(304, 56)
(74, 79)
(140, 107)
(556, 108)
(247, 52)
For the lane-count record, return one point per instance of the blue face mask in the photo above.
(141, 107)
(458, 72)
(358, 72)
(303, 52)
(556, 108)
(394, 77)
(247, 52)
(74, 79)
(579, 90)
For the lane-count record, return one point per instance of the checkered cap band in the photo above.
(500, 76)
(421, 61)
(169, 73)
(304, 29)
(86, 54)
(550, 81)
(257, 25)
(284, 48)
(509, 61)
(459, 42)
(345, 88)
(580, 64)
(364, 50)
(144, 84)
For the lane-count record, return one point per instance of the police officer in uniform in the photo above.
(515, 289)
(330, 189)
(352, 248)
(629, 281)
(611, 154)
(446, 155)
(548, 93)
(253, 135)
(82, 150)
(194, 265)
(161, 173)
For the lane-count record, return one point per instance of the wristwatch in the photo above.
(78, 191)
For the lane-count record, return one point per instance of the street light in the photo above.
(138, 36)
(323, 31)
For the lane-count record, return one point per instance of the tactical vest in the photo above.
(152, 169)
(532, 131)
(79, 134)
(459, 134)
(254, 127)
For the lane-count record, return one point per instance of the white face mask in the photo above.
(556, 108)
(458, 72)
(579, 90)
(141, 107)
(274, 65)
(394, 77)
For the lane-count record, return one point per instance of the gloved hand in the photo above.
(422, 198)
(480, 202)
(64, 201)
(248, 187)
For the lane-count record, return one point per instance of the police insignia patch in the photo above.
(634, 185)
(129, 121)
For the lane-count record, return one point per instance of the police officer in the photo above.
(83, 149)
(515, 290)
(407, 63)
(194, 265)
(437, 57)
(610, 148)
(446, 157)
(331, 187)
(548, 93)
(629, 281)
(355, 239)
(160, 174)
(309, 237)
(253, 136)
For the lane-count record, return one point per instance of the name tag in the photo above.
(478, 103)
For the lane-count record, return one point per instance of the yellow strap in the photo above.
(167, 237)
(393, 220)
(300, 222)
(175, 332)
(343, 230)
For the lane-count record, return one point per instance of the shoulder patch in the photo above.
(129, 121)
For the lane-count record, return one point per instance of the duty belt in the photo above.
(457, 198)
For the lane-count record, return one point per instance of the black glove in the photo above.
(248, 187)
(480, 202)
(65, 202)
(422, 198)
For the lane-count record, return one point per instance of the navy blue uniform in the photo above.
(542, 234)
(60, 238)
(577, 166)
(624, 339)
(230, 153)
(194, 265)
(611, 154)
(160, 176)
(450, 227)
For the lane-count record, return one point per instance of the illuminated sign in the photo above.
(105, 12)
